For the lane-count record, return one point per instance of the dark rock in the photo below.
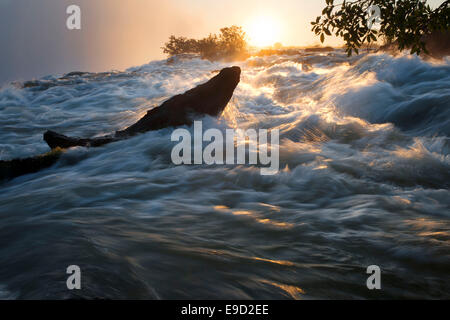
(31, 84)
(209, 98)
(55, 140)
(319, 49)
(39, 84)
(17, 167)
(436, 43)
(74, 74)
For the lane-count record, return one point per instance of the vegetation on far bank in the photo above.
(403, 24)
(230, 44)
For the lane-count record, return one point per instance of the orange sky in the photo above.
(117, 34)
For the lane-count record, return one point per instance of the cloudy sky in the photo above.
(117, 34)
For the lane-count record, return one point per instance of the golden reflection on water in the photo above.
(431, 229)
(221, 208)
(270, 206)
(275, 223)
(280, 262)
(255, 216)
(242, 213)
(293, 291)
(402, 200)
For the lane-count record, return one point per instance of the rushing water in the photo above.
(364, 179)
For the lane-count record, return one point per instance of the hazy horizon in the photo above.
(115, 36)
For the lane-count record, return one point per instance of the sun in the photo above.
(263, 31)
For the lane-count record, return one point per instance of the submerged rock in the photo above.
(74, 74)
(319, 49)
(17, 167)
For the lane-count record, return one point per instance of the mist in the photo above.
(116, 35)
(35, 41)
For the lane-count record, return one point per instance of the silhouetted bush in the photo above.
(230, 43)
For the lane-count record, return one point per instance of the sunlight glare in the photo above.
(263, 31)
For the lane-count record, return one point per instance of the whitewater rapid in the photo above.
(364, 180)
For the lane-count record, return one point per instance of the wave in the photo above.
(365, 171)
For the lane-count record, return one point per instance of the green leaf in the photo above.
(403, 22)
